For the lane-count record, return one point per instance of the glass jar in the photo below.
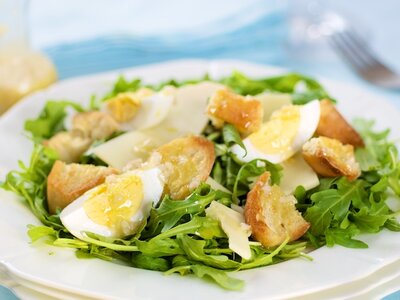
(22, 70)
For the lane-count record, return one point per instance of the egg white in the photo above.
(153, 110)
(309, 118)
(75, 219)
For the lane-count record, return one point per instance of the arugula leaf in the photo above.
(160, 247)
(194, 249)
(231, 136)
(332, 205)
(249, 172)
(122, 85)
(203, 226)
(38, 232)
(30, 183)
(285, 84)
(343, 237)
(171, 211)
(50, 120)
(392, 224)
(218, 276)
(142, 261)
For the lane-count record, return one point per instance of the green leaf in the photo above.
(143, 261)
(263, 259)
(30, 184)
(171, 211)
(249, 172)
(218, 276)
(122, 85)
(194, 249)
(367, 222)
(232, 137)
(159, 247)
(37, 232)
(343, 237)
(333, 204)
(203, 226)
(392, 224)
(50, 120)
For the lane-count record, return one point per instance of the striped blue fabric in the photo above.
(259, 41)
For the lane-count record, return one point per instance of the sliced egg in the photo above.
(187, 115)
(140, 110)
(283, 135)
(273, 101)
(115, 208)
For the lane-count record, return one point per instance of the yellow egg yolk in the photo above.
(123, 107)
(115, 202)
(277, 135)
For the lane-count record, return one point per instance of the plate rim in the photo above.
(209, 64)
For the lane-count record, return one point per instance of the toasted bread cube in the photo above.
(330, 158)
(94, 125)
(333, 125)
(245, 113)
(68, 145)
(66, 182)
(272, 215)
(185, 162)
(123, 107)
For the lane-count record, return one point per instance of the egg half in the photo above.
(283, 135)
(140, 110)
(117, 207)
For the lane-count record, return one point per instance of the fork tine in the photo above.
(340, 45)
(361, 48)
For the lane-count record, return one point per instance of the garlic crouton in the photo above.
(333, 125)
(185, 162)
(66, 182)
(68, 146)
(330, 158)
(272, 215)
(94, 125)
(245, 113)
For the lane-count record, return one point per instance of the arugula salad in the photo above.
(205, 176)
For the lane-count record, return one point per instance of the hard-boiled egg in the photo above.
(140, 110)
(117, 207)
(283, 135)
(186, 116)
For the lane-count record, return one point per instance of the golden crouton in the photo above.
(272, 215)
(68, 145)
(185, 163)
(333, 125)
(245, 113)
(123, 107)
(66, 182)
(94, 125)
(330, 158)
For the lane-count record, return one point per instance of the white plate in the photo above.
(60, 269)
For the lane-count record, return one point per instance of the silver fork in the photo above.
(356, 52)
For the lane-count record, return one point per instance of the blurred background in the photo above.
(85, 37)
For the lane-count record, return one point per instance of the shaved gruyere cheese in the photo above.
(233, 224)
(187, 115)
(272, 102)
(133, 145)
(188, 112)
(216, 185)
(295, 172)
